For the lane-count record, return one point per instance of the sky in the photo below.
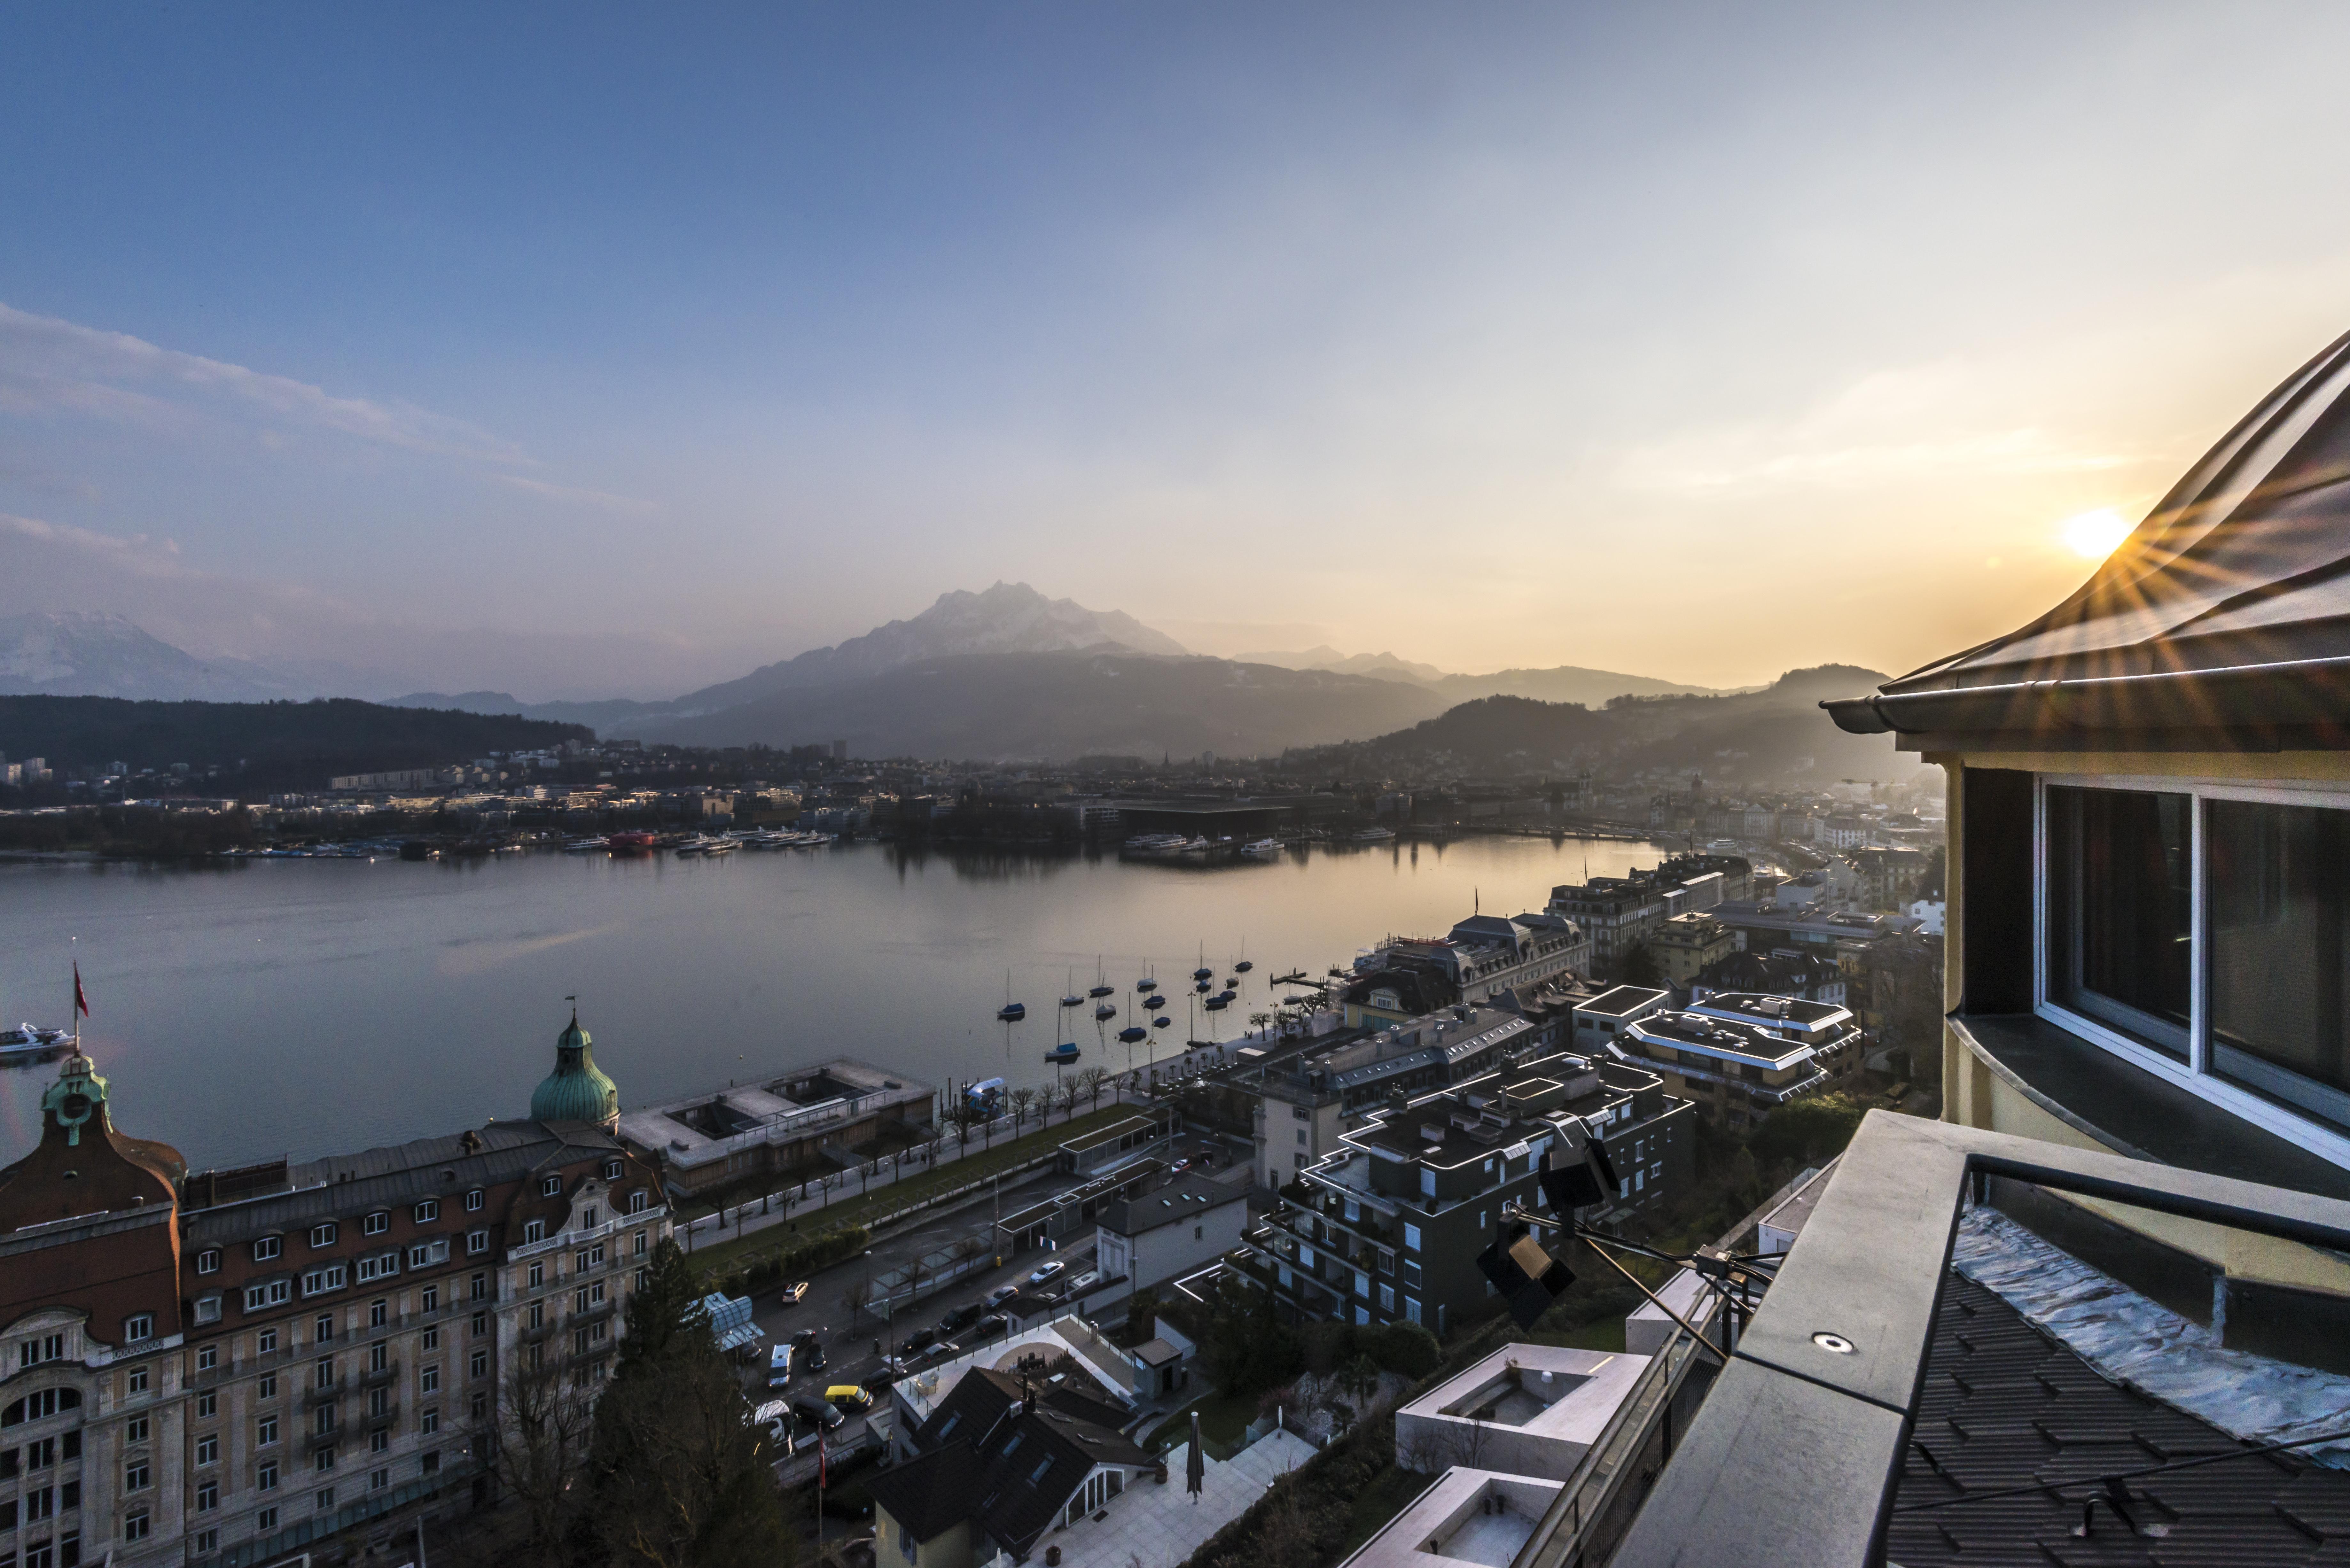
(609, 350)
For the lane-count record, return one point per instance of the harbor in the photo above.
(305, 982)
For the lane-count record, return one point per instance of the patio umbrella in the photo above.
(1195, 1468)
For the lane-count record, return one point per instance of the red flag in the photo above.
(81, 1003)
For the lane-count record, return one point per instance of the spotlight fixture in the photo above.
(1576, 1172)
(1528, 1278)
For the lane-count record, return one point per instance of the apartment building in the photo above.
(1388, 1226)
(1687, 944)
(1736, 1071)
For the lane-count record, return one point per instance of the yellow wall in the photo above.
(949, 1549)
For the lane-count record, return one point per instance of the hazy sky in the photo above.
(597, 350)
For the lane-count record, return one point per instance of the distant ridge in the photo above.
(1560, 683)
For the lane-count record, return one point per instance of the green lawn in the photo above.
(1607, 1334)
(718, 1257)
(1223, 1418)
(1390, 1492)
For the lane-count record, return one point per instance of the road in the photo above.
(850, 1348)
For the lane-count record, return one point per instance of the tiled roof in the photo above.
(2004, 1408)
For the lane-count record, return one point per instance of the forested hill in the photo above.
(302, 742)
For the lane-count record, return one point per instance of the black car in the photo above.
(817, 1413)
(879, 1382)
(809, 1358)
(967, 1313)
(991, 1326)
(804, 1339)
(921, 1339)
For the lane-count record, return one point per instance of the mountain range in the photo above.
(1002, 674)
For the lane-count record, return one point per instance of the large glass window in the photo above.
(2120, 917)
(2280, 951)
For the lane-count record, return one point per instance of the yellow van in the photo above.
(849, 1396)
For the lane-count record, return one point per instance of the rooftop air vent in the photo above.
(1432, 1132)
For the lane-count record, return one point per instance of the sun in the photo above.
(2093, 535)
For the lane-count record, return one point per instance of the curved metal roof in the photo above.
(2244, 566)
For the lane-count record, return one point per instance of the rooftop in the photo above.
(1620, 1002)
(1724, 1038)
(1176, 1203)
(1783, 1013)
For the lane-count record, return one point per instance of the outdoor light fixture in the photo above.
(1576, 1172)
(1529, 1278)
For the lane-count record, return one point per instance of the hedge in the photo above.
(797, 1262)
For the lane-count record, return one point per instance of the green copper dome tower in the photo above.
(577, 1091)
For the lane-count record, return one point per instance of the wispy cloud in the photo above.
(139, 555)
(50, 364)
(628, 506)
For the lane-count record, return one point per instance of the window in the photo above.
(136, 1381)
(375, 1224)
(269, 1387)
(2210, 923)
(479, 1325)
(324, 1460)
(1427, 1182)
(587, 1218)
(638, 1202)
(265, 1343)
(207, 1406)
(207, 1541)
(323, 1501)
(322, 1235)
(429, 1340)
(428, 1211)
(1411, 1276)
(267, 1519)
(208, 1448)
(323, 1330)
(378, 1479)
(473, 1201)
(479, 1287)
(551, 1188)
(429, 1300)
(611, 1170)
(477, 1366)
(429, 1382)
(208, 1260)
(428, 1422)
(379, 1356)
(424, 1254)
(1411, 1310)
(41, 1348)
(137, 1478)
(2119, 874)
(208, 1357)
(534, 1230)
(265, 1432)
(379, 1442)
(134, 1526)
(430, 1461)
(138, 1325)
(207, 1496)
(265, 1476)
(476, 1242)
(322, 1371)
(208, 1310)
(383, 1266)
(1386, 1298)
(267, 1248)
(332, 1277)
(377, 1310)
(1412, 1238)
(134, 1430)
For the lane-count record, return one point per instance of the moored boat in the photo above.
(1067, 1051)
(1132, 1032)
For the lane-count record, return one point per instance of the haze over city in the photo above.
(612, 354)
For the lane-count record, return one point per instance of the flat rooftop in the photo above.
(1618, 1001)
(1723, 1038)
(1469, 1516)
(697, 1128)
(1787, 1012)
(1433, 1132)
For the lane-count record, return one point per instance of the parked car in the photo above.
(849, 1396)
(806, 1356)
(967, 1313)
(941, 1351)
(817, 1413)
(779, 1366)
(879, 1382)
(1001, 1294)
(805, 1338)
(921, 1339)
(991, 1326)
(1047, 1273)
(1178, 1168)
(794, 1295)
(1083, 1282)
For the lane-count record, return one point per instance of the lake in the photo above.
(298, 1007)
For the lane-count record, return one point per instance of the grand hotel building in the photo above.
(233, 1367)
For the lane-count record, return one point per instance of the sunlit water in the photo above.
(301, 1006)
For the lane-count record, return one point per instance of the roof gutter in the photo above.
(2299, 691)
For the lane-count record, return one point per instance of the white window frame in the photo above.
(377, 1223)
(2194, 1075)
(428, 1211)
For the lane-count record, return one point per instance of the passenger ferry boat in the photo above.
(28, 1040)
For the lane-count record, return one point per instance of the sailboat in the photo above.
(1203, 971)
(1072, 999)
(1011, 1011)
(1243, 966)
(1101, 987)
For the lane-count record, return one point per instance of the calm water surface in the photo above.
(302, 1006)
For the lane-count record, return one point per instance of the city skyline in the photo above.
(598, 361)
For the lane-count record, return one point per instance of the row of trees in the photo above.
(657, 1466)
(1087, 1084)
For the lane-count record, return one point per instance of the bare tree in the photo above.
(1022, 1100)
(1068, 1094)
(1093, 1080)
(535, 1445)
